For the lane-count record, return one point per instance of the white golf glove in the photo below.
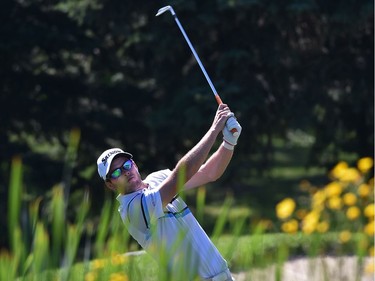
(230, 139)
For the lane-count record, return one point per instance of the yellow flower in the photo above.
(285, 208)
(335, 203)
(369, 211)
(353, 212)
(349, 199)
(364, 190)
(350, 175)
(339, 169)
(318, 199)
(91, 276)
(369, 228)
(333, 189)
(290, 226)
(118, 277)
(345, 236)
(308, 228)
(97, 264)
(322, 227)
(365, 164)
(118, 259)
(310, 222)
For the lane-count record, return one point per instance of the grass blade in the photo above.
(14, 199)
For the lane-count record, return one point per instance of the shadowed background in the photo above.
(297, 74)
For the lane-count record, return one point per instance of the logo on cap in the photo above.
(105, 158)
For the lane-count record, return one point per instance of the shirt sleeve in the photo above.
(156, 178)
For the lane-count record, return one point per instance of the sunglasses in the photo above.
(126, 166)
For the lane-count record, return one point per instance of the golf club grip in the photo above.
(233, 130)
(218, 99)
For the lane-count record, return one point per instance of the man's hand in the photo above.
(228, 136)
(222, 114)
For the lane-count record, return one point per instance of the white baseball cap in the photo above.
(105, 159)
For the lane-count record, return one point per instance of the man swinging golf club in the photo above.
(158, 218)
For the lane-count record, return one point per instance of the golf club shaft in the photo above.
(217, 97)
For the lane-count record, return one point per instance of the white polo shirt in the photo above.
(172, 234)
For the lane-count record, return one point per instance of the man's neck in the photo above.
(141, 186)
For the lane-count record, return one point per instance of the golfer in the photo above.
(158, 218)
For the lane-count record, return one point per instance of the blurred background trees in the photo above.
(294, 72)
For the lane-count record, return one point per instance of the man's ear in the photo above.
(109, 185)
(136, 168)
(135, 165)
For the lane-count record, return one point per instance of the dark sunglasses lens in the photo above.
(116, 173)
(127, 165)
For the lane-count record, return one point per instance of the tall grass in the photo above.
(63, 250)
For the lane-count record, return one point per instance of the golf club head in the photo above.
(164, 9)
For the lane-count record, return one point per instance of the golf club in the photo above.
(217, 97)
